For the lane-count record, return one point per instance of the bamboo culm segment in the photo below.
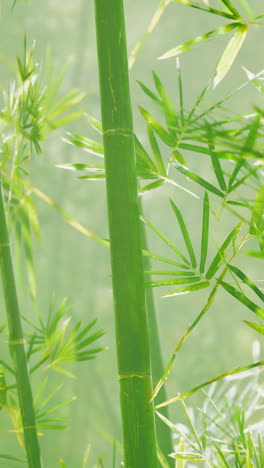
(16, 342)
(132, 338)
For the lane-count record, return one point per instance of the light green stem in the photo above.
(16, 342)
(157, 367)
(132, 339)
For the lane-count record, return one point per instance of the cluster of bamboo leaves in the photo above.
(226, 430)
(31, 109)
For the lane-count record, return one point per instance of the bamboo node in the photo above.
(118, 131)
(20, 341)
(138, 375)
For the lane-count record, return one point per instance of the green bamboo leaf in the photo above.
(205, 231)
(178, 158)
(152, 186)
(231, 8)
(167, 106)
(255, 326)
(195, 148)
(215, 159)
(185, 234)
(168, 273)
(81, 167)
(247, 8)
(149, 93)
(188, 289)
(143, 158)
(247, 281)
(164, 260)
(169, 282)
(86, 144)
(257, 218)
(168, 138)
(218, 259)
(180, 87)
(182, 396)
(94, 123)
(206, 8)
(63, 121)
(243, 299)
(188, 456)
(156, 151)
(199, 180)
(189, 44)
(92, 177)
(256, 254)
(12, 458)
(230, 53)
(165, 239)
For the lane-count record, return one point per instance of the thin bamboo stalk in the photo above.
(16, 342)
(157, 368)
(132, 338)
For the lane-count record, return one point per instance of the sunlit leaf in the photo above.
(189, 44)
(188, 289)
(230, 53)
(182, 396)
(255, 326)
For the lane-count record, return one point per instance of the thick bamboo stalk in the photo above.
(132, 338)
(16, 342)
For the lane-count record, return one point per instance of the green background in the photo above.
(68, 264)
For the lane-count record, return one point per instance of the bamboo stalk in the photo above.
(16, 342)
(157, 368)
(132, 338)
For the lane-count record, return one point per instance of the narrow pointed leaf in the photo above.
(257, 219)
(208, 9)
(218, 259)
(149, 93)
(215, 159)
(189, 289)
(247, 281)
(231, 8)
(205, 231)
(189, 44)
(94, 123)
(199, 180)
(165, 239)
(255, 326)
(185, 234)
(169, 282)
(243, 299)
(169, 112)
(164, 260)
(230, 53)
(86, 144)
(169, 273)
(168, 138)
(156, 152)
(182, 396)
